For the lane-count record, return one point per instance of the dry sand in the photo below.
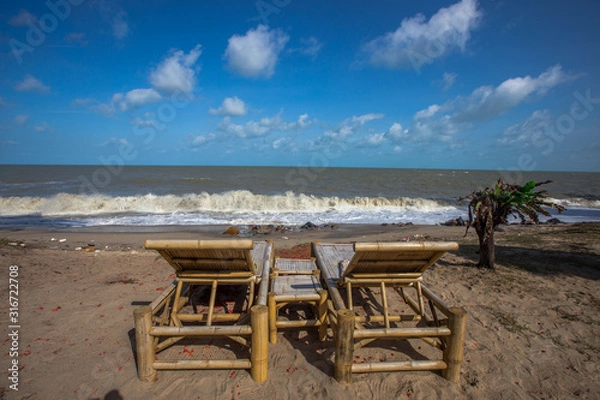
(533, 326)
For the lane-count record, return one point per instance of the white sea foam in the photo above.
(245, 207)
(233, 206)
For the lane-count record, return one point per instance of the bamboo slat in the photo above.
(406, 246)
(202, 364)
(404, 333)
(410, 365)
(193, 331)
(199, 244)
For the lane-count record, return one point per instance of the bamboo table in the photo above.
(296, 281)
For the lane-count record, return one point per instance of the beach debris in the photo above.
(554, 221)
(421, 237)
(232, 230)
(329, 226)
(261, 229)
(285, 237)
(309, 226)
(78, 248)
(89, 248)
(455, 222)
(62, 240)
(53, 239)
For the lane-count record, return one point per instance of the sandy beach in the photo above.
(533, 327)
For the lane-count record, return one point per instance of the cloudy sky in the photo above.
(402, 84)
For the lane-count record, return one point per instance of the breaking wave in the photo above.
(235, 201)
(238, 207)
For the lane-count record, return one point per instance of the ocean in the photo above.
(113, 195)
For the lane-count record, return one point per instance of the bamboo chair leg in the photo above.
(420, 298)
(259, 353)
(211, 303)
(251, 295)
(349, 291)
(177, 305)
(144, 343)
(386, 311)
(454, 352)
(344, 347)
(272, 317)
(322, 315)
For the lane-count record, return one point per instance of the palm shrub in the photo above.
(491, 207)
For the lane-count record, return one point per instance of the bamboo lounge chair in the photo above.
(382, 265)
(208, 264)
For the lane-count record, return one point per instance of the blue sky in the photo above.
(401, 84)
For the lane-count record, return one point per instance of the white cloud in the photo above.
(252, 129)
(255, 54)
(362, 119)
(31, 84)
(231, 106)
(417, 41)
(428, 112)
(310, 47)
(448, 80)
(529, 131)
(396, 132)
(177, 72)
(120, 27)
(135, 99)
(302, 122)
(346, 132)
(262, 127)
(375, 139)
(43, 127)
(24, 18)
(197, 141)
(486, 102)
(21, 119)
(281, 143)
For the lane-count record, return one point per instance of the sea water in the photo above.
(72, 196)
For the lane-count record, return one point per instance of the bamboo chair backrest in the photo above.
(410, 258)
(206, 256)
